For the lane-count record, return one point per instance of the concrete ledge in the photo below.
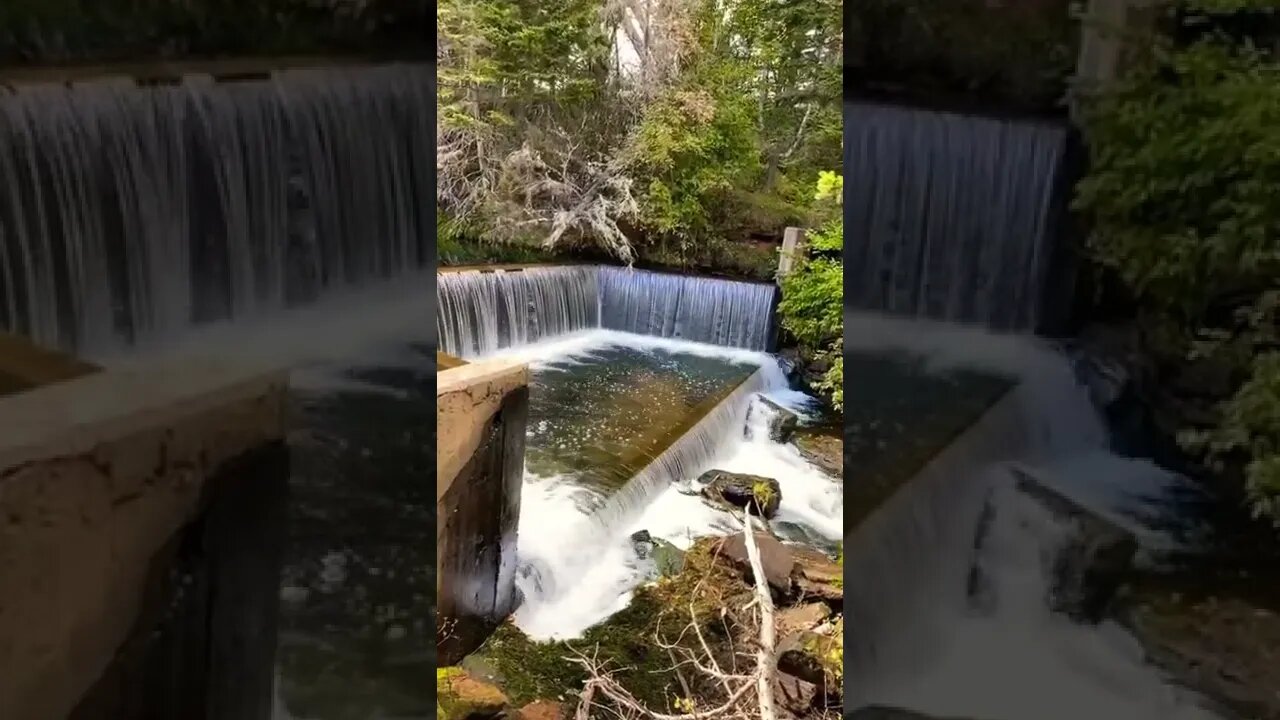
(98, 475)
(25, 365)
(467, 397)
(481, 414)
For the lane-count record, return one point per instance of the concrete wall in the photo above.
(135, 503)
(481, 412)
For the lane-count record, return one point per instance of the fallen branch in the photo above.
(765, 661)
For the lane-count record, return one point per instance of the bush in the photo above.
(812, 307)
(1181, 192)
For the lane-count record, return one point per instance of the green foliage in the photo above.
(1019, 53)
(812, 307)
(1186, 156)
(694, 150)
(1250, 428)
(1181, 193)
(41, 31)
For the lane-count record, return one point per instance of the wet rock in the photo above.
(812, 658)
(775, 559)
(1095, 561)
(798, 534)
(461, 697)
(802, 617)
(782, 423)
(668, 558)
(817, 576)
(761, 495)
(822, 449)
(642, 542)
(795, 695)
(542, 710)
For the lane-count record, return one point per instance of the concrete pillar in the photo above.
(1107, 26)
(481, 414)
(791, 252)
(141, 526)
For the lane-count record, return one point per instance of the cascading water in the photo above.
(129, 213)
(483, 312)
(709, 310)
(947, 215)
(920, 638)
(479, 313)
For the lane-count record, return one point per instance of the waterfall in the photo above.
(949, 216)
(483, 311)
(132, 212)
(691, 453)
(480, 312)
(709, 310)
(950, 579)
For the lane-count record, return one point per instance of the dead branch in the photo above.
(739, 702)
(765, 660)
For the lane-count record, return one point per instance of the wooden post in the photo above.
(1106, 26)
(791, 251)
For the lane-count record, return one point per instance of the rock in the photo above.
(818, 577)
(1095, 561)
(801, 617)
(542, 710)
(668, 558)
(761, 495)
(795, 695)
(782, 423)
(822, 449)
(810, 657)
(461, 697)
(642, 541)
(775, 558)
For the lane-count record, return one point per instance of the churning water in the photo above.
(579, 565)
(918, 636)
(949, 216)
(482, 312)
(129, 213)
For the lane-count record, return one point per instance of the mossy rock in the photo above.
(461, 697)
(531, 671)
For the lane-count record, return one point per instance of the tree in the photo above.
(1185, 158)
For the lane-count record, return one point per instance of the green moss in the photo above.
(460, 697)
(531, 670)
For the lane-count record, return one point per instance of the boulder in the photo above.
(760, 495)
(668, 558)
(775, 558)
(799, 618)
(781, 422)
(542, 710)
(1094, 563)
(459, 696)
(813, 658)
(794, 695)
(818, 577)
(823, 448)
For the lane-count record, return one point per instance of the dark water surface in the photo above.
(602, 417)
(358, 586)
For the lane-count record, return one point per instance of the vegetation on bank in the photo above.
(1181, 194)
(67, 31)
(703, 129)
(812, 307)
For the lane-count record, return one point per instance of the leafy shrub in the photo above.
(812, 307)
(1181, 193)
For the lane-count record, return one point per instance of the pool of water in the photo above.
(605, 411)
